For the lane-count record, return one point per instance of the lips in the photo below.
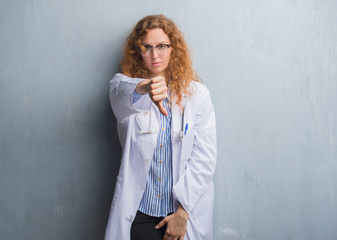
(155, 63)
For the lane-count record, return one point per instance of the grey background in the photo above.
(271, 67)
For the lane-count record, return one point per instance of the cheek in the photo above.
(167, 59)
(146, 61)
(143, 59)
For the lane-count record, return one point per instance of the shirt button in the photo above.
(159, 179)
(159, 161)
(158, 195)
(161, 145)
(163, 129)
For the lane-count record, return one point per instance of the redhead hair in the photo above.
(179, 71)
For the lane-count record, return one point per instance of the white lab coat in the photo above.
(193, 157)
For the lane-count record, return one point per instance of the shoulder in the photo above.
(120, 77)
(199, 90)
(200, 96)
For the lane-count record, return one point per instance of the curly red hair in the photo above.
(179, 71)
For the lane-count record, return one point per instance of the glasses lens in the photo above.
(162, 49)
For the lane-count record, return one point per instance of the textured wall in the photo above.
(271, 67)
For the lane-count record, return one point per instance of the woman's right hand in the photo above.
(157, 90)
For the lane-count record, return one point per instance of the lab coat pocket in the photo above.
(118, 187)
(143, 120)
(144, 129)
(188, 142)
(202, 218)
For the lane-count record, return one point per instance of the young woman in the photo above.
(166, 126)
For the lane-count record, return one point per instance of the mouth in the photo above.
(156, 63)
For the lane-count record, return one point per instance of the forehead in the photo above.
(155, 36)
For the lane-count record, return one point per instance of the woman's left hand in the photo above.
(176, 225)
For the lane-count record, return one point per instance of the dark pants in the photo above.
(142, 227)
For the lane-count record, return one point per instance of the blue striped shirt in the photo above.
(157, 197)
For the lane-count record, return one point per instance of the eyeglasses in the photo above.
(161, 49)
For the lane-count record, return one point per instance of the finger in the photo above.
(157, 82)
(157, 85)
(162, 223)
(159, 97)
(167, 236)
(173, 238)
(157, 91)
(158, 79)
(161, 108)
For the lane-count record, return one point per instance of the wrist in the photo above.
(143, 87)
(182, 212)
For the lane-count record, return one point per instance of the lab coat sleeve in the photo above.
(121, 92)
(200, 168)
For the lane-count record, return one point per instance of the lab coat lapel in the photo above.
(177, 141)
(177, 115)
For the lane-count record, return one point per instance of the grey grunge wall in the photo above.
(271, 68)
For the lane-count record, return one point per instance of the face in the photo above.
(155, 61)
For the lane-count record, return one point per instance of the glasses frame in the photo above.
(146, 53)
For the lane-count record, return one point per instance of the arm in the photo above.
(121, 92)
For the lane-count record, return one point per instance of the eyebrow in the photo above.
(162, 42)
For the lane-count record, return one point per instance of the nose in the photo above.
(154, 53)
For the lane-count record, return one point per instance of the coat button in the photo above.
(131, 218)
(147, 162)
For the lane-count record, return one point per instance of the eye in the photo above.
(147, 47)
(161, 46)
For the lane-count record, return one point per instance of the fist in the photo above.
(157, 90)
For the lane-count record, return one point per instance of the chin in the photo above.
(157, 72)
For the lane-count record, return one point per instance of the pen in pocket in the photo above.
(186, 127)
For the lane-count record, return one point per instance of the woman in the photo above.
(166, 126)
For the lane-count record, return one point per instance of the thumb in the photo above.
(161, 108)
